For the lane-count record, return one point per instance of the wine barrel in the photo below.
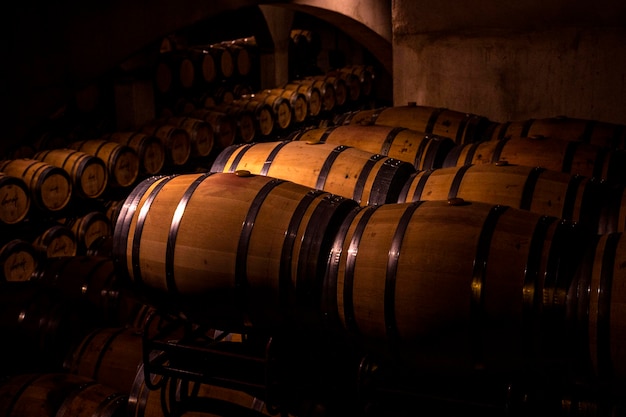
(364, 74)
(18, 261)
(252, 118)
(297, 100)
(238, 232)
(93, 281)
(174, 72)
(281, 106)
(108, 355)
(87, 228)
(595, 132)
(14, 199)
(89, 174)
(121, 160)
(224, 126)
(326, 89)
(600, 311)
(449, 286)
(551, 193)
(423, 151)
(176, 140)
(339, 87)
(56, 240)
(205, 66)
(312, 94)
(554, 154)
(41, 325)
(59, 394)
(461, 127)
(200, 133)
(150, 150)
(50, 187)
(346, 171)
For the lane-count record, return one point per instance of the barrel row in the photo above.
(200, 66)
(444, 286)
(88, 233)
(374, 178)
(466, 128)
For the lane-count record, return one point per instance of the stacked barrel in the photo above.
(292, 250)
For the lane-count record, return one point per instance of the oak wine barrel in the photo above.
(18, 260)
(459, 126)
(150, 149)
(554, 154)
(89, 173)
(122, 161)
(239, 232)
(200, 134)
(579, 199)
(56, 240)
(423, 151)
(87, 228)
(224, 125)
(108, 355)
(343, 170)
(453, 286)
(50, 187)
(14, 199)
(177, 141)
(595, 132)
(600, 311)
(59, 394)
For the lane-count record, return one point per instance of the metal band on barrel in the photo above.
(173, 233)
(391, 273)
(479, 276)
(348, 282)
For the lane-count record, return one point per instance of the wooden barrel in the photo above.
(339, 87)
(557, 155)
(55, 241)
(552, 193)
(41, 324)
(200, 132)
(50, 187)
(204, 65)
(449, 286)
(423, 151)
(14, 199)
(18, 260)
(281, 107)
(272, 237)
(312, 94)
(174, 72)
(176, 140)
(59, 394)
(122, 161)
(297, 100)
(150, 149)
(87, 228)
(93, 281)
(595, 132)
(461, 127)
(109, 355)
(601, 308)
(89, 174)
(264, 120)
(326, 89)
(346, 171)
(224, 125)
(365, 76)
(224, 58)
(240, 50)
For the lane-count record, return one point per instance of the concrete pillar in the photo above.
(275, 63)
